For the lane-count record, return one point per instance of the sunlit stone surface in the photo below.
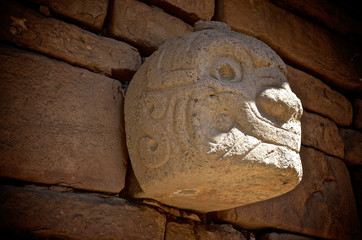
(211, 122)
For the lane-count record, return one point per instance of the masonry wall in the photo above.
(64, 70)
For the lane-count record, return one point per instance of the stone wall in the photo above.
(64, 167)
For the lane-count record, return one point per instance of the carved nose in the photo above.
(279, 104)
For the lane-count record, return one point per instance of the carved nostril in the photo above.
(280, 104)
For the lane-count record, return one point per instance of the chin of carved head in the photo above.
(211, 122)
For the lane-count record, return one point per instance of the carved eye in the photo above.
(226, 69)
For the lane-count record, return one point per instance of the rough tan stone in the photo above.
(188, 10)
(67, 42)
(181, 231)
(144, 26)
(352, 146)
(282, 236)
(357, 110)
(319, 98)
(211, 122)
(42, 214)
(59, 124)
(296, 40)
(88, 13)
(327, 13)
(321, 133)
(322, 205)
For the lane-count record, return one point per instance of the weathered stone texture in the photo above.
(296, 40)
(88, 13)
(144, 26)
(319, 98)
(181, 231)
(67, 42)
(352, 146)
(282, 236)
(211, 122)
(322, 205)
(188, 10)
(327, 13)
(357, 110)
(59, 124)
(321, 133)
(42, 214)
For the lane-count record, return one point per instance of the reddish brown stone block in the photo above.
(144, 26)
(282, 236)
(357, 110)
(35, 212)
(67, 42)
(352, 146)
(188, 10)
(89, 13)
(319, 98)
(321, 133)
(296, 40)
(181, 231)
(322, 205)
(328, 13)
(60, 124)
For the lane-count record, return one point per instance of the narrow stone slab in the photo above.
(322, 53)
(188, 10)
(88, 13)
(181, 231)
(352, 146)
(329, 14)
(35, 212)
(59, 124)
(322, 205)
(321, 133)
(319, 98)
(144, 26)
(67, 42)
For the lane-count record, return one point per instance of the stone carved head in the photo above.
(211, 122)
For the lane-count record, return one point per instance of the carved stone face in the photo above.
(211, 122)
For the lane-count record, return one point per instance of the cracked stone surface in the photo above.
(32, 212)
(211, 122)
(322, 205)
(317, 97)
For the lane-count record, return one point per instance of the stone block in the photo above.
(296, 40)
(211, 122)
(189, 231)
(36, 213)
(67, 42)
(322, 205)
(352, 146)
(179, 231)
(321, 133)
(60, 124)
(317, 97)
(329, 14)
(188, 10)
(282, 236)
(144, 26)
(88, 13)
(357, 110)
